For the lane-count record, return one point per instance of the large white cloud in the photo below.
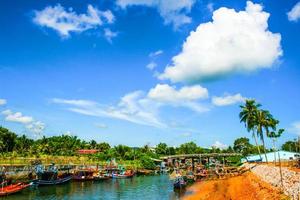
(173, 12)
(228, 99)
(2, 102)
(66, 21)
(294, 14)
(232, 42)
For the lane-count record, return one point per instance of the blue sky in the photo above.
(139, 72)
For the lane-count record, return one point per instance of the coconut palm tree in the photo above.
(248, 117)
(264, 121)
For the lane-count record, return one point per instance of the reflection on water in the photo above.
(148, 187)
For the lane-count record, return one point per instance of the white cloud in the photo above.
(37, 128)
(109, 35)
(173, 12)
(185, 96)
(294, 14)
(140, 108)
(232, 42)
(74, 102)
(152, 65)
(156, 53)
(66, 21)
(295, 128)
(17, 117)
(132, 107)
(2, 102)
(228, 99)
(153, 56)
(219, 145)
(167, 93)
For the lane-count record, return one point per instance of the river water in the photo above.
(138, 188)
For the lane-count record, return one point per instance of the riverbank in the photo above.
(247, 187)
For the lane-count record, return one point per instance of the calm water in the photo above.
(141, 187)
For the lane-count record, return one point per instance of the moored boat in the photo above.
(51, 176)
(11, 189)
(84, 175)
(123, 174)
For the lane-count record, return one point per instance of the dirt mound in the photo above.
(245, 187)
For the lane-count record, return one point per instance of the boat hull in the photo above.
(11, 189)
(80, 178)
(101, 178)
(53, 182)
(122, 176)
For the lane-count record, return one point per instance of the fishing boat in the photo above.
(51, 176)
(12, 188)
(101, 175)
(179, 183)
(123, 174)
(84, 175)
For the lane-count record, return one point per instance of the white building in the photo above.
(284, 156)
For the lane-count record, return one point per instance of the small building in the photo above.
(284, 156)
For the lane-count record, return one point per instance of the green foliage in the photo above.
(188, 148)
(161, 149)
(8, 140)
(293, 146)
(147, 163)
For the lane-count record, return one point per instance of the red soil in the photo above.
(244, 187)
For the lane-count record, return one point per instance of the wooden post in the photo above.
(280, 170)
(193, 166)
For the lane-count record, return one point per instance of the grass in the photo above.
(63, 160)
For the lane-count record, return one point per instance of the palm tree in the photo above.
(248, 116)
(263, 122)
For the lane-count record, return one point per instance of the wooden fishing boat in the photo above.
(51, 176)
(84, 175)
(13, 188)
(101, 177)
(53, 181)
(127, 174)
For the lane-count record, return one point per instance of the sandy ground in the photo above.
(244, 187)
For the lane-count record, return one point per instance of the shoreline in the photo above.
(247, 187)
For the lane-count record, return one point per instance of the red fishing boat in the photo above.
(11, 189)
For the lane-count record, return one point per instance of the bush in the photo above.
(147, 163)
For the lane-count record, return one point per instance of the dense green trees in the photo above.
(291, 146)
